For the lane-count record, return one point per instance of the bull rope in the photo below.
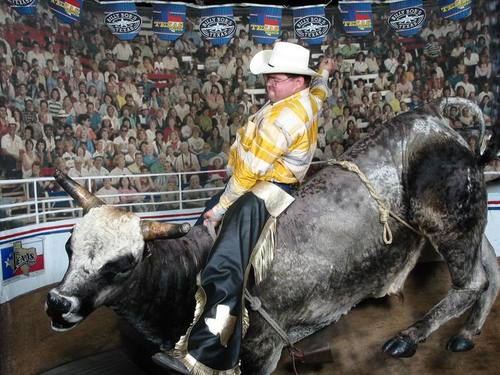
(384, 212)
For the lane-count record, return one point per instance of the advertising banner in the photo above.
(407, 17)
(217, 24)
(169, 20)
(356, 17)
(310, 24)
(122, 19)
(265, 23)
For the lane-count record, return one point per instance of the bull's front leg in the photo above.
(261, 348)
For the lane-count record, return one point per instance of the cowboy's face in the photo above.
(280, 86)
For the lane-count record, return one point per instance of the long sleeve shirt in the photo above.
(277, 143)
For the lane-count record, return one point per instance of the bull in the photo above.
(329, 252)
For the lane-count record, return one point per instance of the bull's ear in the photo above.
(153, 229)
(85, 199)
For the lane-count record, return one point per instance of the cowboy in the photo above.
(270, 155)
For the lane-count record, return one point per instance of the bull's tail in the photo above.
(444, 103)
(493, 146)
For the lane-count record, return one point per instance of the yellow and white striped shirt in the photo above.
(278, 142)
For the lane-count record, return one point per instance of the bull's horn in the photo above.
(84, 198)
(153, 229)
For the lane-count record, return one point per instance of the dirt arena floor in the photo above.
(28, 345)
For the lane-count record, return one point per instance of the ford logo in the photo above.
(406, 19)
(310, 27)
(123, 22)
(217, 27)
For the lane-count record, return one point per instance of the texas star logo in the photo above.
(21, 258)
(123, 22)
(217, 27)
(406, 19)
(311, 27)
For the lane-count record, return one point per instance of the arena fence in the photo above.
(20, 203)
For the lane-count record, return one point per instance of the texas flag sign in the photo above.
(22, 259)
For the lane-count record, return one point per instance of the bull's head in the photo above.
(104, 249)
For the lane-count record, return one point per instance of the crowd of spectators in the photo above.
(78, 99)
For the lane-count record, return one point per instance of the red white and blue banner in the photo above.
(21, 259)
(218, 24)
(169, 20)
(407, 17)
(455, 9)
(24, 7)
(310, 24)
(356, 17)
(122, 19)
(67, 11)
(265, 23)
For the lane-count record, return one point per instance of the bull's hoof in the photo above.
(400, 346)
(460, 344)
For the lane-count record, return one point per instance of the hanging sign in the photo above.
(265, 23)
(122, 19)
(407, 17)
(356, 17)
(66, 11)
(217, 24)
(455, 9)
(24, 7)
(169, 20)
(310, 24)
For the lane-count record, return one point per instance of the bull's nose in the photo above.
(58, 304)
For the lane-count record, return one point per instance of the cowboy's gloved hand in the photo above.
(327, 64)
(215, 215)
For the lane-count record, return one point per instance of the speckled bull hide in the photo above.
(329, 256)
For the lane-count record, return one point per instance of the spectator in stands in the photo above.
(12, 149)
(467, 86)
(182, 108)
(391, 62)
(432, 49)
(186, 161)
(98, 170)
(127, 190)
(78, 170)
(119, 169)
(349, 50)
(360, 66)
(135, 167)
(471, 59)
(170, 62)
(43, 156)
(189, 194)
(215, 99)
(28, 158)
(108, 189)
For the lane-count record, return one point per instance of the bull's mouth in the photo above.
(62, 325)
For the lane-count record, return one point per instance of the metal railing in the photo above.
(21, 205)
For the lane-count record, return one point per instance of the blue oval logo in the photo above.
(406, 19)
(217, 27)
(123, 22)
(310, 27)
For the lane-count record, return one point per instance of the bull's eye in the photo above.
(118, 268)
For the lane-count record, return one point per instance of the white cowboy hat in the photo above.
(283, 58)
